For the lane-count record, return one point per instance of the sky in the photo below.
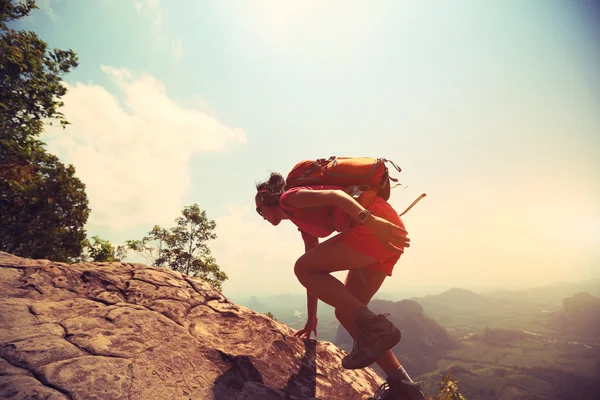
(491, 108)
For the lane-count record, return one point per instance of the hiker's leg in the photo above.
(364, 290)
(376, 333)
(313, 270)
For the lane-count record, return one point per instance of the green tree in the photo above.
(151, 247)
(270, 315)
(31, 87)
(43, 206)
(448, 389)
(184, 247)
(103, 251)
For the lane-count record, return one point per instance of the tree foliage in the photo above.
(183, 247)
(270, 315)
(103, 251)
(448, 389)
(43, 205)
(151, 246)
(31, 87)
(43, 208)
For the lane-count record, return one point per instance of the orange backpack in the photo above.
(364, 178)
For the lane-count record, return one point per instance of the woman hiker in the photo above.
(369, 248)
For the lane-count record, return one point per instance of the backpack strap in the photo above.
(395, 166)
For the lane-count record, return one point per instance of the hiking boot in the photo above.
(374, 335)
(396, 389)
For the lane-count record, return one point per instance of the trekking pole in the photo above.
(412, 204)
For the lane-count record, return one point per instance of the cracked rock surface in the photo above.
(129, 331)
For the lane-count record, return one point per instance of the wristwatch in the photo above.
(363, 215)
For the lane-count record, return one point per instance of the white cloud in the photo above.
(134, 159)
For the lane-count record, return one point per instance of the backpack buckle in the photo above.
(355, 191)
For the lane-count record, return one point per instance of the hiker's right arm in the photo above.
(311, 300)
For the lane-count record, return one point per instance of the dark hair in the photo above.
(269, 191)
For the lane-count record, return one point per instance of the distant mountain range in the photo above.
(456, 308)
(550, 295)
(523, 309)
(580, 317)
(463, 300)
(546, 296)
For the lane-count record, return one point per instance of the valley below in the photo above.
(536, 344)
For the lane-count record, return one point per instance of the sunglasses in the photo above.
(258, 210)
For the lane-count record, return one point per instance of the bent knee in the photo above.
(338, 315)
(300, 267)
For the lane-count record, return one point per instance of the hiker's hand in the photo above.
(391, 235)
(311, 326)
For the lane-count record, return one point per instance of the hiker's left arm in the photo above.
(315, 198)
(386, 231)
(310, 242)
(335, 197)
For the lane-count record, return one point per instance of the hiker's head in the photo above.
(267, 198)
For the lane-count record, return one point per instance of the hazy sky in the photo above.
(491, 108)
